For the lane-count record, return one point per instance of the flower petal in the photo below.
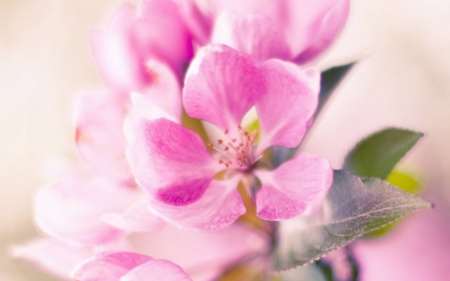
(116, 55)
(331, 25)
(169, 161)
(286, 109)
(221, 85)
(156, 31)
(253, 34)
(99, 134)
(164, 90)
(71, 211)
(157, 270)
(296, 187)
(53, 256)
(109, 266)
(137, 218)
(218, 208)
(203, 255)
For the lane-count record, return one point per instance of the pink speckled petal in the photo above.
(286, 109)
(137, 218)
(296, 187)
(218, 208)
(109, 266)
(53, 256)
(71, 211)
(156, 270)
(169, 161)
(221, 85)
(99, 134)
(253, 34)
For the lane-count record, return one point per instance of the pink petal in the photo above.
(71, 211)
(221, 85)
(218, 208)
(265, 7)
(157, 270)
(164, 90)
(169, 161)
(120, 64)
(137, 218)
(203, 255)
(52, 256)
(145, 107)
(253, 34)
(298, 186)
(109, 266)
(331, 25)
(99, 135)
(162, 34)
(286, 109)
(309, 26)
(198, 24)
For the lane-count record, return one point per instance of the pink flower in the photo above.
(91, 213)
(123, 48)
(182, 176)
(127, 266)
(296, 30)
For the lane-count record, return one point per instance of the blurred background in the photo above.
(403, 79)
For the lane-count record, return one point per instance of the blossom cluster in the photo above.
(177, 147)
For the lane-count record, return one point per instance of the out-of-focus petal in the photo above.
(109, 266)
(218, 208)
(116, 55)
(71, 211)
(169, 161)
(164, 90)
(265, 7)
(198, 23)
(146, 108)
(156, 270)
(332, 23)
(137, 218)
(287, 107)
(253, 34)
(221, 85)
(162, 34)
(53, 256)
(99, 134)
(309, 26)
(203, 255)
(296, 187)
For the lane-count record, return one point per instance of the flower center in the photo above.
(238, 152)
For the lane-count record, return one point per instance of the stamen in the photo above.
(219, 141)
(226, 132)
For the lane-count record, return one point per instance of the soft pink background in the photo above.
(402, 80)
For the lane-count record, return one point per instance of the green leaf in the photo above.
(310, 272)
(406, 182)
(353, 207)
(330, 80)
(376, 155)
